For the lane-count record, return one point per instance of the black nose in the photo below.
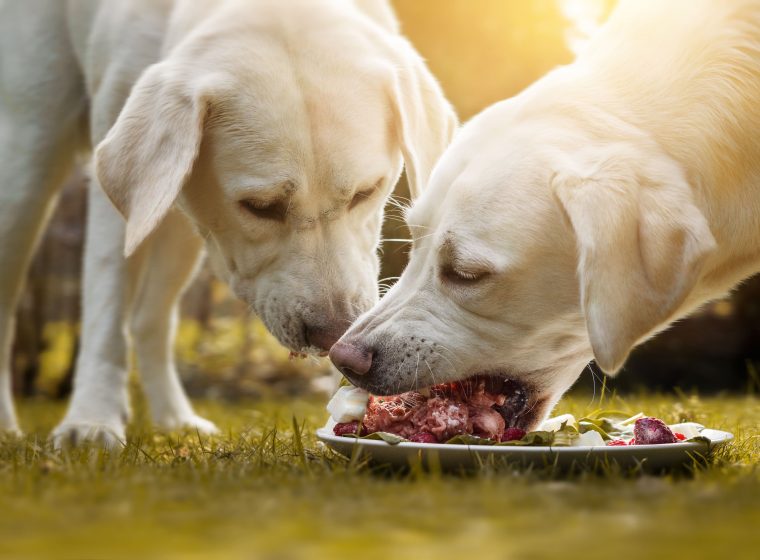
(323, 337)
(351, 359)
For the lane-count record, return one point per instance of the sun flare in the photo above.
(585, 16)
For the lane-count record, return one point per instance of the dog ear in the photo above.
(148, 155)
(425, 120)
(642, 243)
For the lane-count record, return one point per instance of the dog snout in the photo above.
(351, 358)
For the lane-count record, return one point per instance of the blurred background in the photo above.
(481, 51)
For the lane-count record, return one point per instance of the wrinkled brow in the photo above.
(264, 188)
(448, 249)
(451, 251)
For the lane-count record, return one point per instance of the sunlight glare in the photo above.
(585, 17)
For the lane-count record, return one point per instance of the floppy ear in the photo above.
(147, 156)
(425, 120)
(642, 244)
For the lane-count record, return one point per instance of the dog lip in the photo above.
(517, 394)
(533, 413)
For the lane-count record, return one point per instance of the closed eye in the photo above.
(463, 276)
(361, 196)
(274, 211)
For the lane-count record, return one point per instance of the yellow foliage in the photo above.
(59, 339)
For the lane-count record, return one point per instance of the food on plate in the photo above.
(513, 434)
(346, 428)
(482, 406)
(647, 431)
(348, 404)
(590, 438)
(423, 437)
(486, 411)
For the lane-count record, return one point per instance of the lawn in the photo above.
(263, 491)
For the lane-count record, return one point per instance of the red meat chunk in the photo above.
(424, 437)
(442, 417)
(345, 428)
(513, 434)
(648, 431)
(477, 406)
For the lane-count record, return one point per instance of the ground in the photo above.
(267, 489)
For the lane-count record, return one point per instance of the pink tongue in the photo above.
(486, 422)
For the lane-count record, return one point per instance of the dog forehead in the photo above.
(311, 107)
(486, 213)
(317, 140)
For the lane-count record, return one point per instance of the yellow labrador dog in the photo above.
(273, 131)
(576, 220)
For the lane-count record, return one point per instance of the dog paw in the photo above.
(190, 422)
(8, 422)
(72, 433)
(10, 431)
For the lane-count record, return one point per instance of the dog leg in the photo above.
(99, 407)
(29, 180)
(28, 184)
(172, 257)
(41, 110)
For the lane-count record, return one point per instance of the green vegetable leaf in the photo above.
(532, 438)
(467, 439)
(392, 439)
(602, 425)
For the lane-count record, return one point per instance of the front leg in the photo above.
(99, 408)
(172, 255)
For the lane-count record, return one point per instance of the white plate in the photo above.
(451, 457)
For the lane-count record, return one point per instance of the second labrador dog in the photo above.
(272, 130)
(583, 216)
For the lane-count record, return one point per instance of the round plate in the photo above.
(451, 457)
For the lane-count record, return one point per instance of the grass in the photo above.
(265, 490)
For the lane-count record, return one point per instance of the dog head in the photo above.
(280, 134)
(541, 242)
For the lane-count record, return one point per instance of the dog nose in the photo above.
(350, 358)
(322, 337)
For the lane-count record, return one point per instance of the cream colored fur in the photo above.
(271, 132)
(586, 214)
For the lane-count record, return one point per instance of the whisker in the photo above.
(453, 368)
(451, 352)
(425, 236)
(417, 367)
(398, 199)
(432, 375)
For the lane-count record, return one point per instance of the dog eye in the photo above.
(461, 276)
(361, 196)
(265, 210)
